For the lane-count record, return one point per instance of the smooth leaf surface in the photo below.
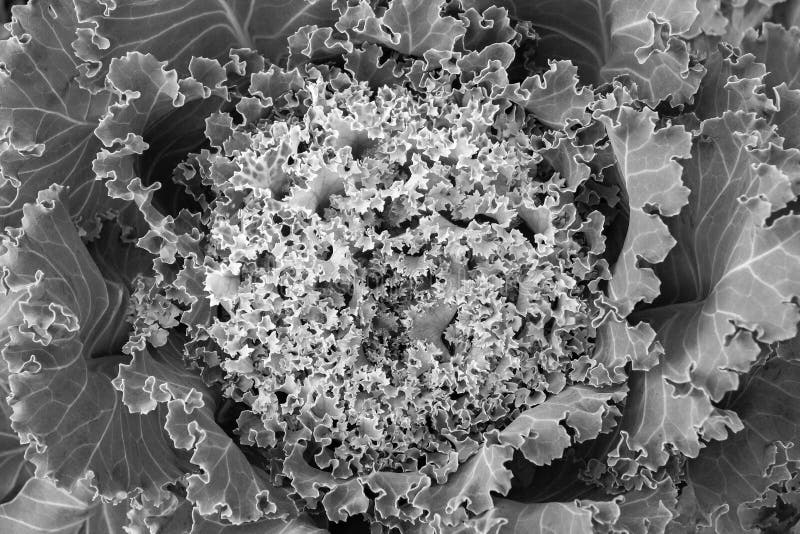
(42, 508)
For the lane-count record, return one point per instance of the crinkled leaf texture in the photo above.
(647, 163)
(65, 50)
(516, 518)
(411, 27)
(228, 483)
(660, 136)
(725, 287)
(168, 29)
(638, 512)
(14, 470)
(554, 98)
(611, 38)
(542, 434)
(730, 478)
(61, 363)
(61, 356)
(298, 525)
(49, 131)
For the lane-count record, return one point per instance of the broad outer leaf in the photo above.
(316, 45)
(540, 433)
(664, 415)
(148, 96)
(486, 28)
(345, 497)
(52, 120)
(732, 21)
(570, 158)
(647, 510)
(610, 38)
(119, 261)
(710, 20)
(787, 118)
(737, 262)
(790, 349)
(778, 49)
(228, 483)
(48, 119)
(554, 97)
(14, 469)
(729, 474)
(619, 343)
(42, 508)
(644, 511)
(512, 517)
(396, 493)
(732, 82)
(365, 64)
(173, 514)
(297, 525)
(472, 483)
(61, 395)
(411, 27)
(176, 30)
(728, 285)
(646, 160)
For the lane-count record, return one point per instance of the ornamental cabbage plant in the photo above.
(400, 266)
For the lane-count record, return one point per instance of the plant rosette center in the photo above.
(397, 277)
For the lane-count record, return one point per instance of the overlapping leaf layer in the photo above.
(399, 266)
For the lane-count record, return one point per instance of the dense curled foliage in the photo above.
(383, 283)
(395, 266)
